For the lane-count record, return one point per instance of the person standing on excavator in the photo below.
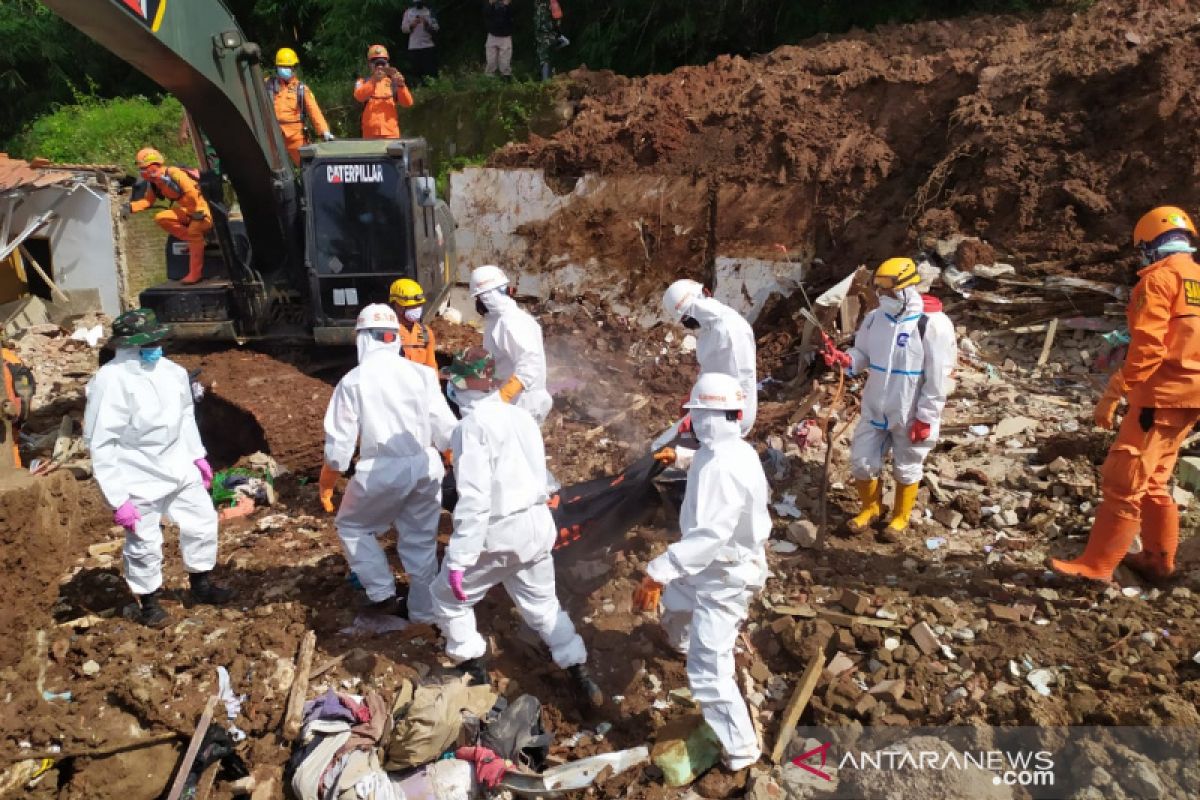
(417, 343)
(1160, 379)
(908, 349)
(514, 338)
(380, 93)
(724, 343)
(188, 218)
(503, 530)
(295, 104)
(140, 426)
(394, 412)
(719, 564)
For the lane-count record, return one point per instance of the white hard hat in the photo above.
(377, 315)
(718, 392)
(486, 278)
(679, 297)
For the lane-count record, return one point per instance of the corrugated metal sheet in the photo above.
(18, 174)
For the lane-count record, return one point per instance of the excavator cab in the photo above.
(372, 216)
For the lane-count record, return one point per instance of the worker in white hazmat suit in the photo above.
(714, 571)
(514, 338)
(907, 347)
(724, 343)
(394, 411)
(140, 426)
(503, 530)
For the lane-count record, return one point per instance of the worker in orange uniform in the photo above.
(417, 342)
(1161, 380)
(380, 93)
(19, 387)
(188, 218)
(295, 104)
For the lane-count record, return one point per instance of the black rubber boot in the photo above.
(587, 691)
(476, 670)
(206, 592)
(394, 606)
(150, 612)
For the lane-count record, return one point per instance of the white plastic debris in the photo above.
(688, 345)
(1196, 657)
(91, 335)
(1041, 680)
(978, 430)
(452, 315)
(783, 548)
(1131, 591)
(933, 543)
(233, 703)
(891, 643)
(786, 507)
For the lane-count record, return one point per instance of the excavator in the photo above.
(305, 252)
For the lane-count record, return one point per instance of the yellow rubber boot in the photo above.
(906, 498)
(870, 497)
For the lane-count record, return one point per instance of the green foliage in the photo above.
(95, 131)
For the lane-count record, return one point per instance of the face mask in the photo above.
(151, 355)
(285, 72)
(709, 426)
(889, 304)
(691, 323)
(481, 307)
(413, 314)
(465, 399)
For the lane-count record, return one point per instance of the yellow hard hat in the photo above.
(286, 57)
(147, 156)
(406, 293)
(896, 273)
(376, 51)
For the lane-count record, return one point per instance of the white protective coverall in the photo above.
(909, 379)
(713, 572)
(503, 531)
(393, 409)
(140, 425)
(514, 338)
(725, 343)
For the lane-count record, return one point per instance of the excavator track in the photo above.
(254, 401)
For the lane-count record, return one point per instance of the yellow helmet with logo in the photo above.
(286, 57)
(147, 156)
(406, 293)
(896, 273)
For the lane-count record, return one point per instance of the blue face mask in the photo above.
(151, 355)
(285, 72)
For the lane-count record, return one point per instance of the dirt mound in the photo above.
(1046, 135)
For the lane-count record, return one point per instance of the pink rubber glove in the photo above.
(919, 431)
(490, 768)
(455, 581)
(206, 473)
(127, 516)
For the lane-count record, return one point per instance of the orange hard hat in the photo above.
(147, 156)
(376, 51)
(1156, 222)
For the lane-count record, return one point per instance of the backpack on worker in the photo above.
(518, 734)
(427, 720)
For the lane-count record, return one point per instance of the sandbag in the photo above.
(427, 720)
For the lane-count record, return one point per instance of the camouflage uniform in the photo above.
(544, 35)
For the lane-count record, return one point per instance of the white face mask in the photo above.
(413, 314)
(709, 426)
(465, 399)
(889, 304)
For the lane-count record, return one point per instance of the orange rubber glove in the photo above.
(511, 388)
(665, 456)
(327, 481)
(448, 458)
(1106, 406)
(647, 595)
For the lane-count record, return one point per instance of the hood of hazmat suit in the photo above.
(725, 343)
(500, 470)
(140, 426)
(909, 374)
(514, 338)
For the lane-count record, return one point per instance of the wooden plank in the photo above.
(208, 779)
(193, 749)
(38, 269)
(1048, 342)
(846, 620)
(295, 705)
(798, 702)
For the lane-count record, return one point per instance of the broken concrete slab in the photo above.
(925, 638)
